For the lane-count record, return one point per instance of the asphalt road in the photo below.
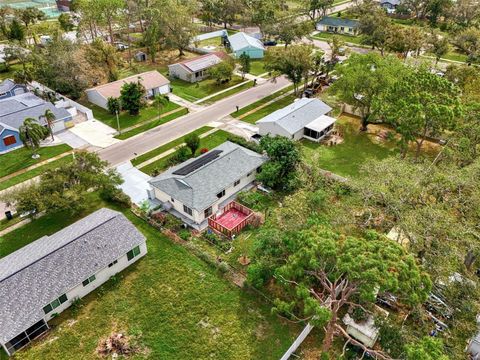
(149, 140)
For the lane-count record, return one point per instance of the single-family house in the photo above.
(338, 25)
(202, 186)
(9, 88)
(390, 5)
(153, 82)
(304, 118)
(42, 279)
(14, 110)
(195, 69)
(241, 43)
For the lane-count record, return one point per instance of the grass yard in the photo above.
(126, 120)
(161, 149)
(21, 158)
(245, 86)
(175, 304)
(257, 67)
(9, 74)
(357, 40)
(196, 91)
(455, 56)
(260, 102)
(257, 115)
(357, 149)
(209, 142)
(152, 124)
(34, 172)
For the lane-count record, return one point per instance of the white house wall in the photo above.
(95, 98)
(177, 71)
(102, 276)
(198, 216)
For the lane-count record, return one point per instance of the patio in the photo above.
(232, 219)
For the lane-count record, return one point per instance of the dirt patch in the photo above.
(118, 344)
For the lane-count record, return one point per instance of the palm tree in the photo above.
(31, 133)
(160, 102)
(49, 117)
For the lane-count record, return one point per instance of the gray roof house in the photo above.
(9, 88)
(304, 118)
(195, 69)
(202, 186)
(241, 43)
(338, 25)
(14, 110)
(43, 278)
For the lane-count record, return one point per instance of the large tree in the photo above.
(104, 55)
(132, 97)
(316, 8)
(288, 28)
(295, 62)
(420, 104)
(329, 274)
(363, 79)
(468, 41)
(64, 188)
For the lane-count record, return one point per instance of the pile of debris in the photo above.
(115, 345)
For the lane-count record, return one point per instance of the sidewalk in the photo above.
(221, 92)
(182, 102)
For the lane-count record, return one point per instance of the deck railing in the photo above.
(216, 226)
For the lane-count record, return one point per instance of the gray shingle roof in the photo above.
(40, 272)
(337, 21)
(6, 85)
(296, 116)
(198, 190)
(14, 110)
(241, 40)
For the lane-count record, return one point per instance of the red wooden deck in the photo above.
(231, 218)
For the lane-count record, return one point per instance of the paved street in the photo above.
(125, 150)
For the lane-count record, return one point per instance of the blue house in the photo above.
(9, 88)
(241, 43)
(14, 110)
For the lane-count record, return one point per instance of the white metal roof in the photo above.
(321, 123)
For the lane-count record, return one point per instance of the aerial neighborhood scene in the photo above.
(240, 179)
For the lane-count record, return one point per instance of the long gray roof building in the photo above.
(14, 110)
(40, 272)
(198, 188)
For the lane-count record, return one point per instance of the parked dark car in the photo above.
(270, 43)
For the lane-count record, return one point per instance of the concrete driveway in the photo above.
(95, 133)
(135, 182)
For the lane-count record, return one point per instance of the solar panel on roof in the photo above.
(197, 164)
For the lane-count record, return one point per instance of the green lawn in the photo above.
(346, 38)
(19, 159)
(245, 86)
(126, 120)
(161, 149)
(262, 101)
(177, 306)
(257, 67)
(257, 115)
(196, 91)
(34, 172)
(357, 149)
(152, 124)
(209, 142)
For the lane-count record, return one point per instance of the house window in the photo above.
(236, 183)
(342, 28)
(187, 210)
(350, 30)
(9, 140)
(55, 303)
(221, 194)
(112, 263)
(133, 253)
(89, 280)
(207, 212)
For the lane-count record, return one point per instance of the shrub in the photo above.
(173, 223)
(245, 143)
(184, 234)
(117, 196)
(159, 218)
(113, 105)
(212, 237)
(203, 150)
(257, 275)
(181, 155)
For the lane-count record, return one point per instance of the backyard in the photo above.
(175, 305)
